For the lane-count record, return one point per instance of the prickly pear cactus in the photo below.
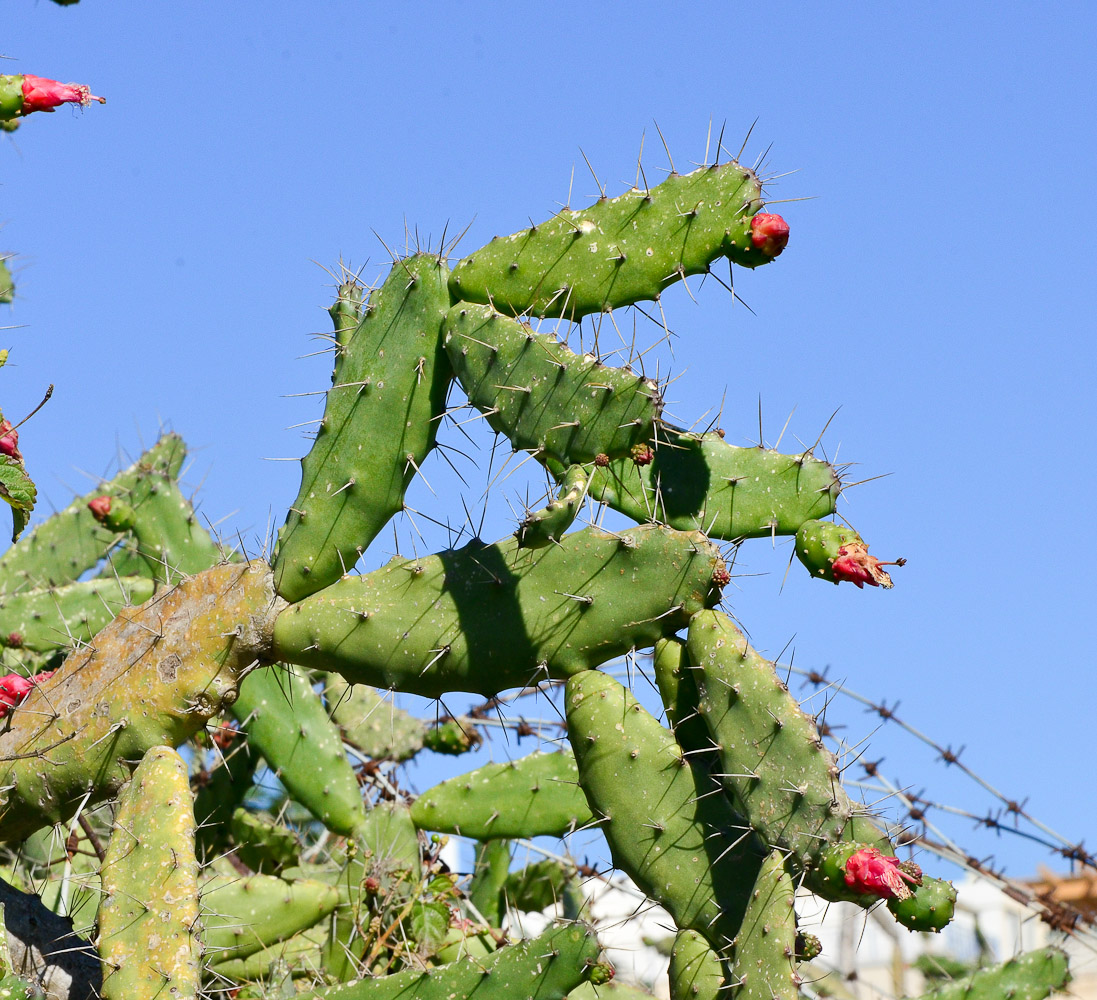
(312, 870)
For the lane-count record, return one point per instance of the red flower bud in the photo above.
(642, 454)
(870, 872)
(40, 94)
(854, 564)
(15, 640)
(15, 687)
(769, 233)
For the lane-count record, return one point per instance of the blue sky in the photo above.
(172, 246)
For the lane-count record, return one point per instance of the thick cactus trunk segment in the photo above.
(534, 796)
(774, 765)
(155, 676)
(380, 422)
(543, 396)
(547, 967)
(620, 250)
(64, 617)
(61, 549)
(484, 618)
(682, 845)
(764, 967)
(148, 919)
(287, 723)
(701, 481)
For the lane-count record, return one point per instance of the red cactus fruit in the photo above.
(870, 872)
(40, 94)
(99, 507)
(9, 441)
(769, 233)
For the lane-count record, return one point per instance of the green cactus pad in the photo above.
(547, 967)
(765, 946)
(533, 796)
(167, 533)
(287, 723)
(773, 762)
(371, 720)
(696, 971)
(609, 991)
(489, 879)
(67, 616)
(620, 250)
(547, 525)
(74, 738)
(7, 282)
(1031, 976)
(678, 842)
(835, 552)
(262, 844)
(544, 397)
(930, 908)
(701, 481)
(241, 916)
(380, 422)
(539, 885)
(148, 918)
(65, 546)
(488, 617)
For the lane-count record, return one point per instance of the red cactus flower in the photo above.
(15, 687)
(870, 872)
(9, 441)
(99, 507)
(769, 233)
(853, 563)
(40, 94)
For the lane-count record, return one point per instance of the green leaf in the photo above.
(19, 490)
(429, 924)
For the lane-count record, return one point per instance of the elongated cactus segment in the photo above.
(287, 724)
(78, 732)
(547, 525)
(488, 617)
(696, 971)
(537, 795)
(765, 946)
(546, 967)
(680, 844)
(1030, 976)
(65, 546)
(701, 481)
(241, 916)
(380, 422)
(68, 616)
(148, 919)
(677, 685)
(773, 762)
(620, 250)
(835, 552)
(543, 396)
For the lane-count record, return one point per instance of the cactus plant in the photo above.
(334, 877)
